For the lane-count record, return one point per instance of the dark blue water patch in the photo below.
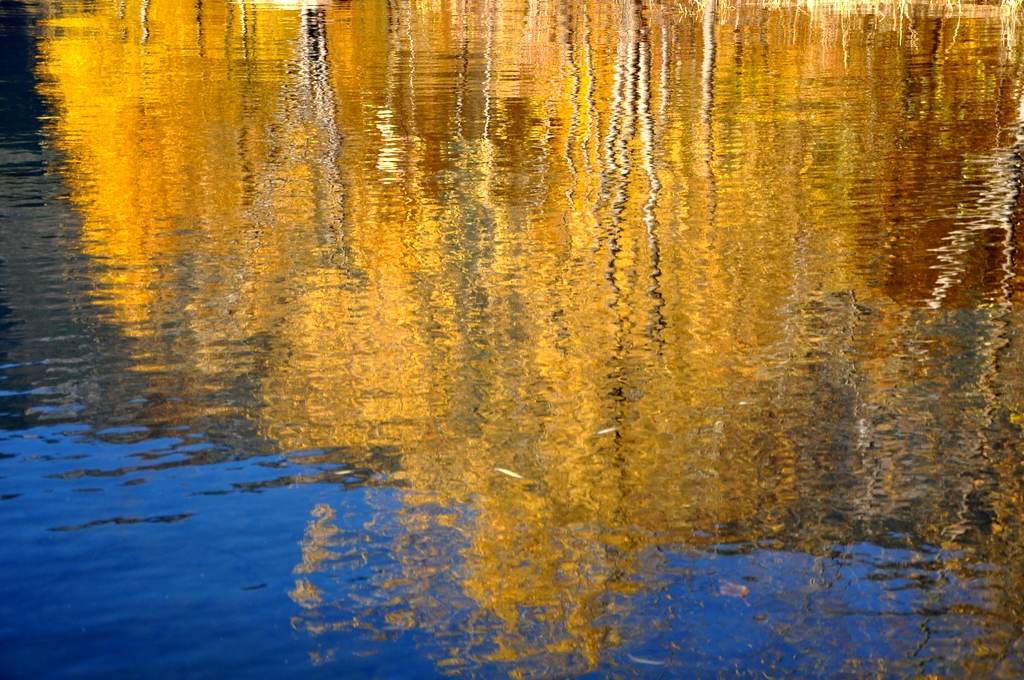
(20, 106)
(136, 579)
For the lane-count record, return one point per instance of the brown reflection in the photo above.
(697, 277)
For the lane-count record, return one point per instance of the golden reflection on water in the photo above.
(696, 275)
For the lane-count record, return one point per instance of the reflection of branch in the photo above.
(308, 104)
(654, 186)
(614, 118)
(315, 67)
(663, 83)
(244, 21)
(200, 43)
(488, 65)
(570, 137)
(707, 69)
(707, 79)
(621, 128)
(460, 90)
(593, 115)
(1018, 186)
(411, 47)
(995, 210)
(144, 21)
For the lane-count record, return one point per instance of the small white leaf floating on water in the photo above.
(730, 589)
(646, 662)
(607, 430)
(509, 473)
(343, 472)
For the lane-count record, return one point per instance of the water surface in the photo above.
(540, 338)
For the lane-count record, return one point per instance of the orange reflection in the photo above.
(662, 265)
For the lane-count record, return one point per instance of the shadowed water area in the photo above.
(543, 338)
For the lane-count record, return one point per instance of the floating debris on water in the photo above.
(730, 589)
(510, 473)
(607, 430)
(644, 661)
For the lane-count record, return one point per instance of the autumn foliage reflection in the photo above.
(698, 276)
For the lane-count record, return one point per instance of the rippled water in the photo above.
(533, 337)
